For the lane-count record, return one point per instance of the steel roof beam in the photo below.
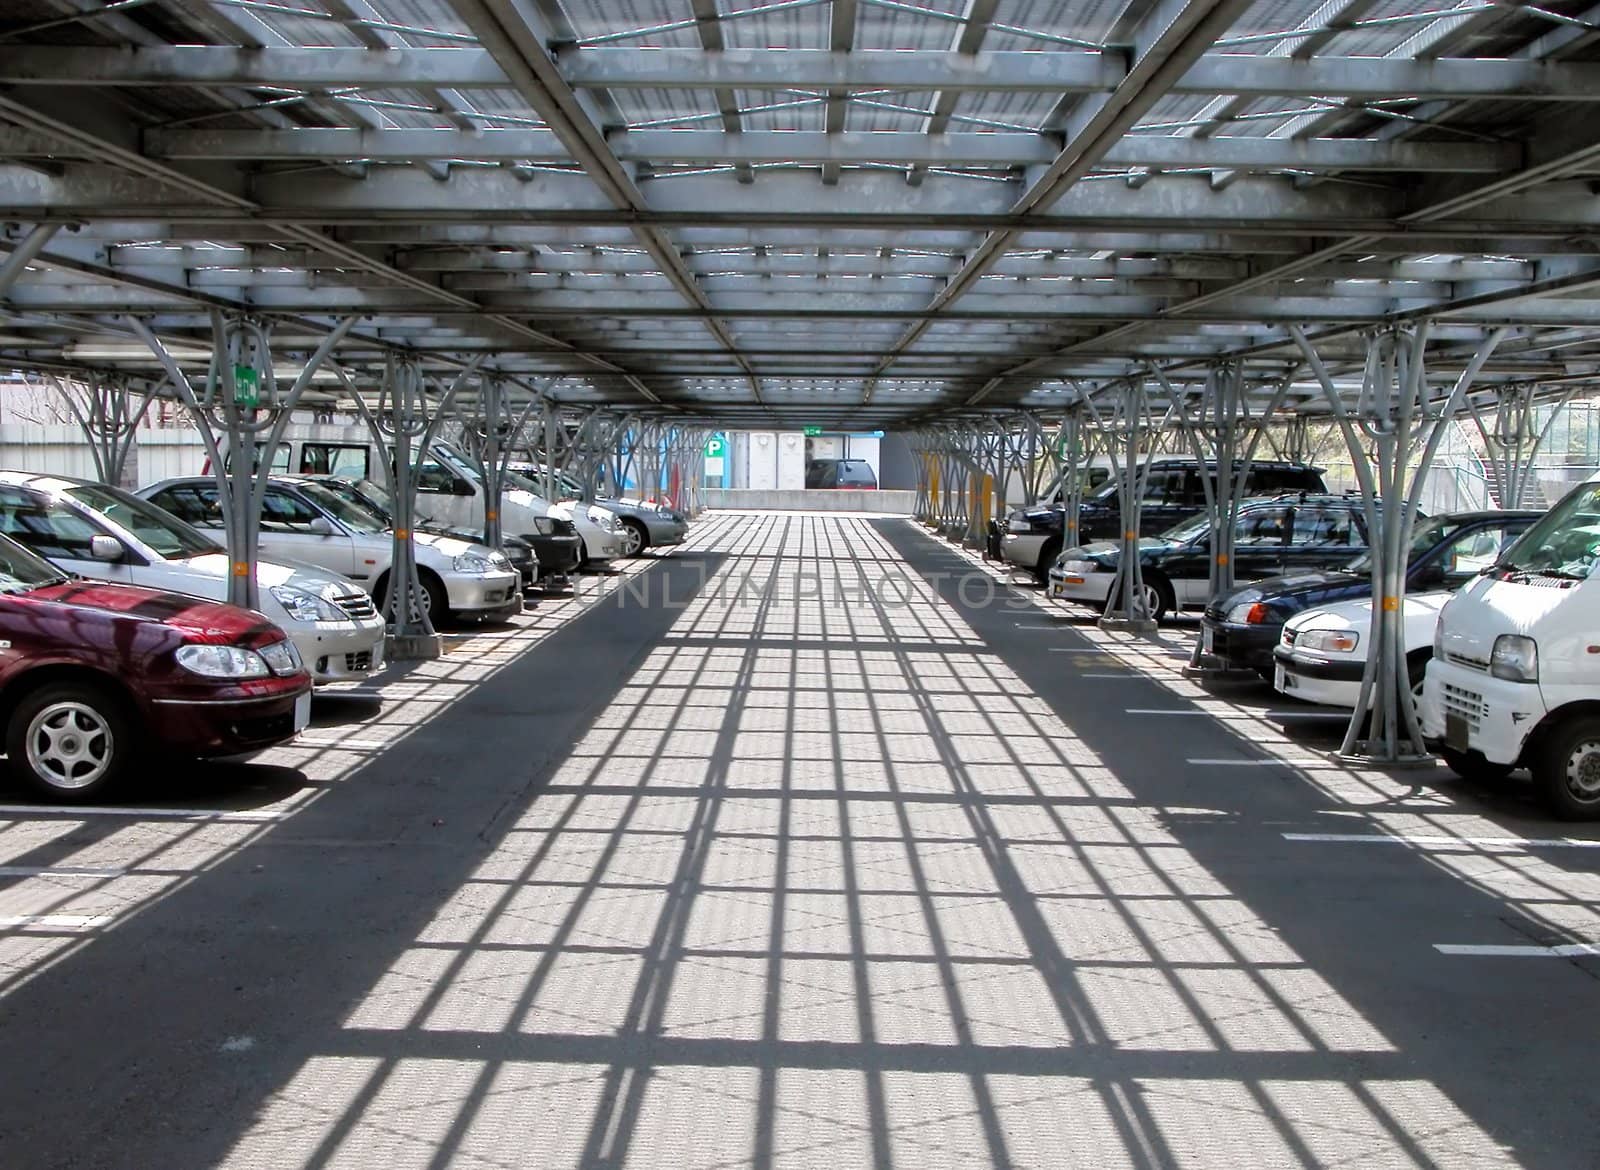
(513, 33)
(830, 149)
(1453, 78)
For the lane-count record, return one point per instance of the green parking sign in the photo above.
(716, 447)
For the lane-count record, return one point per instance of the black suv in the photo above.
(1240, 629)
(1174, 492)
(840, 473)
(1285, 533)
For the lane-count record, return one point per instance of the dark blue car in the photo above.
(1240, 629)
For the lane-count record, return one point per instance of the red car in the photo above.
(94, 676)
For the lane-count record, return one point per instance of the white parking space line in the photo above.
(74, 871)
(358, 745)
(165, 814)
(1341, 716)
(1563, 951)
(1163, 711)
(1223, 763)
(1445, 840)
(52, 921)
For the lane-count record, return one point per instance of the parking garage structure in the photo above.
(820, 838)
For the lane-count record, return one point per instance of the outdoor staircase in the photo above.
(1493, 472)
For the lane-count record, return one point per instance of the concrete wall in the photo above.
(61, 450)
(895, 503)
(897, 469)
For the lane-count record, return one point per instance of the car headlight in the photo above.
(282, 657)
(1438, 639)
(1018, 523)
(222, 662)
(306, 607)
(1328, 641)
(1247, 613)
(472, 563)
(1515, 658)
(544, 526)
(498, 560)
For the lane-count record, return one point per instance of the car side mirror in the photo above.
(105, 548)
(1431, 573)
(320, 526)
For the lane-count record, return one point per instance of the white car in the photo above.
(1324, 650)
(333, 527)
(448, 489)
(107, 534)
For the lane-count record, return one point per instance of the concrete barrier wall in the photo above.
(775, 500)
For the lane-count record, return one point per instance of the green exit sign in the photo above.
(246, 387)
(813, 432)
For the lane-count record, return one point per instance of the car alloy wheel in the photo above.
(632, 538)
(70, 744)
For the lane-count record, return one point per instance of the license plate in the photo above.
(1456, 732)
(1208, 640)
(302, 712)
(493, 596)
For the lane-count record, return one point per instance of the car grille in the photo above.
(268, 727)
(1468, 661)
(565, 527)
(356, 605)
(1468, 705)
(359, 661)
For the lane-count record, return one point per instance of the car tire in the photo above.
(1472, 766)
(1566, 768)
(1160, 598)
(1047, 558)
(434, 596)
(635, 537)
(71, 741)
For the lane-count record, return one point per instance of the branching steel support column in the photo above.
(242, 417)
(492, 437)
(108, 410)
(1511, 441)
(1395, 414)
(1075, 445)
(1223, 432)
(1129, 606)
(405, 424)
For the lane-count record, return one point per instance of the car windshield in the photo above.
(163, 532)
(21, 570)
(1186, 530)
(371, 493)
(1426, 537)
(345, 505)
(1564, 542)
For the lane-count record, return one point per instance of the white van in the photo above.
(449, 491)
(1515, 676)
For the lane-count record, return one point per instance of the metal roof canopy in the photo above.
(834, 212)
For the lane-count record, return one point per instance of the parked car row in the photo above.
(1501, 620)
(116, 644)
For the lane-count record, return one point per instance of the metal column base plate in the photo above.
(1128, 625)
(414, 647)
(1361, 757)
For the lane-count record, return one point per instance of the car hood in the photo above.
(1421, 613)
(1104, 551)
(197, 619)
(1294, 592)
(208, 574)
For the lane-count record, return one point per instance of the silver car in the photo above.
(333, 527)
(645, 525)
